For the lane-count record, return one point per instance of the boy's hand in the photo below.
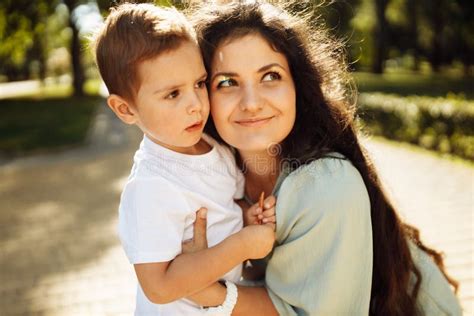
(254, 215)
(199, 241)
(257, 240)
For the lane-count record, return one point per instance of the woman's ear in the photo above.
(122, 108)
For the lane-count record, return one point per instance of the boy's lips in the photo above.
(195, 126)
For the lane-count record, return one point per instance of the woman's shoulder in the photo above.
(329, 185)
(328, 190)
(329, 172)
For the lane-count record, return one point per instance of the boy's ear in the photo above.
(122, 108)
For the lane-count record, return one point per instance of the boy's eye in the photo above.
(174, 94)
(271, 76)
(226, 82)
(201, 84)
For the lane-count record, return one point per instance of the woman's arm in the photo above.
(253, 301)
(322, 264)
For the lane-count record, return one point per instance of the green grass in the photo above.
(32, 125)
(45, 120)
(407, 83)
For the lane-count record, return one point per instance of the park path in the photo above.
(59, 253)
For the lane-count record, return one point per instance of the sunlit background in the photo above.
(64, 157)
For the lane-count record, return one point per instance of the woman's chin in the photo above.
(255, 146)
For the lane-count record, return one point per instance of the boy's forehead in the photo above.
(172, 66)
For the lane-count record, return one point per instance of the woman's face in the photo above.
(252, 94)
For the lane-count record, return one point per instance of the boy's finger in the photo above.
(269, 212)
(257, 211)
(271, 219)
(269, 202)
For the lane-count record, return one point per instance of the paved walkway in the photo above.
(59, 254)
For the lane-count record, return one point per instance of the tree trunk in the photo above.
(77, 70)
(380, 36)
(413, 30)
(437, 25)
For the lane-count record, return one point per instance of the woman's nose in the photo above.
(251, 100)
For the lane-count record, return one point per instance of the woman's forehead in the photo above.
(246, 52)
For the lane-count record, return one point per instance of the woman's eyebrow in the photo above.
(224, 74)
(234, 74)
(269, 66)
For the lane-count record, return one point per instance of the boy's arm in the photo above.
(188, 273)
(250, 300)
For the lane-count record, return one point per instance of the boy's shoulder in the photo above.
(143, 192)
(227, 153)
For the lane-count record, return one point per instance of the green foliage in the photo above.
(22, 30)
(30, 125)
(442, 124)
(411, 83)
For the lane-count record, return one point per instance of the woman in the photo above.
(278, 95)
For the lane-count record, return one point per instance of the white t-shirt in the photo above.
(159, 203)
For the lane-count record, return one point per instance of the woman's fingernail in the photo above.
(203, 213)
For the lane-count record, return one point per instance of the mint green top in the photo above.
(322, 261)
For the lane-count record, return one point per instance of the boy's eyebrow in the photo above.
(168, 88)
(203, 76)
(233, 74)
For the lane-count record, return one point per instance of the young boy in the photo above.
(149, 59)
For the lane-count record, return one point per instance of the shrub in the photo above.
(442, 124)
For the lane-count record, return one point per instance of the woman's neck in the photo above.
(261, 171)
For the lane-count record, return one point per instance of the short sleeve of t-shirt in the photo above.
(152, 217)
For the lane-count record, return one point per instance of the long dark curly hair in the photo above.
(325, 122)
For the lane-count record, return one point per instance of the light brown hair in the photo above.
(133, 33)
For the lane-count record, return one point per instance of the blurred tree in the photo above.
(22, 36)
(75, 48)
(464, 28)
(363, 23)
(412, 13)
(381, 38)
(435, 14)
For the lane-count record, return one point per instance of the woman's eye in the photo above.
(271, 76)
(228, 82)
(173, 95)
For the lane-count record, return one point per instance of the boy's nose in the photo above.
(196, 103)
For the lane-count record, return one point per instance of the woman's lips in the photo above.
(195, 127)
(254, 122)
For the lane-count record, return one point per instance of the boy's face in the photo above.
(172, 105)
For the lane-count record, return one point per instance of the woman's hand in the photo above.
(199, 241)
